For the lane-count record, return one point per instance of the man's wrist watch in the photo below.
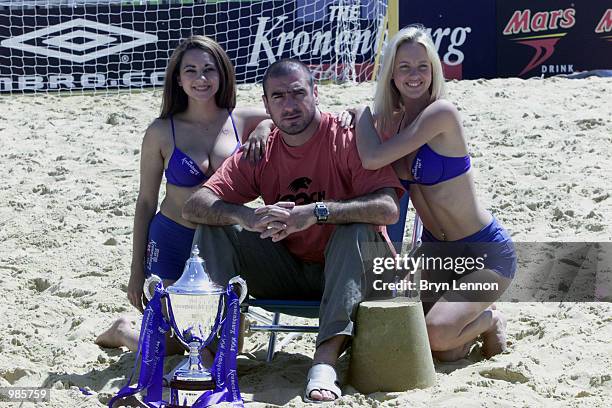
(321, 212)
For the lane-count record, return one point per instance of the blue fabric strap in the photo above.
(224, 366)
(151, 350)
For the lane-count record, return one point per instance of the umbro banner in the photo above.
(117, 46)
(81, 48)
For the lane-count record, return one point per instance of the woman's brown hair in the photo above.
(175, 99)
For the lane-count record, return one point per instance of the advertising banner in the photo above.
(462, 33)
(551, 37)
(117, 46)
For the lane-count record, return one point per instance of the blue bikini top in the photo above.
(182, 171)
(430, 168)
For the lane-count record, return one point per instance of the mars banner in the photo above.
(551, 37)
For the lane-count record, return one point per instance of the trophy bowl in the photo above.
(195, 308)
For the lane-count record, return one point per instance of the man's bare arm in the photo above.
(205, 207)
(379, 208)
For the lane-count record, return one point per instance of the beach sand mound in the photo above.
(542, 163)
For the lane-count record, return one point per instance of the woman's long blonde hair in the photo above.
(387, 98)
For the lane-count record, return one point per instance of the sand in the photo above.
(542, 163)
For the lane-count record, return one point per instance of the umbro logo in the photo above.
(79, 40)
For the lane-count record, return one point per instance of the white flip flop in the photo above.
(321, 377)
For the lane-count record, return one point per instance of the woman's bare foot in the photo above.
(494, 339)
(121, 333)
(454, 354)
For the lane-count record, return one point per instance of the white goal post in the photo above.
(98, 45)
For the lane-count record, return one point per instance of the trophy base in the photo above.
(183, 393)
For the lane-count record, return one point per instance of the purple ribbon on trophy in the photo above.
(198, 309)
(151, 352)
(224, 366)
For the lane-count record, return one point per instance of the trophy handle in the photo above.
(151, 281)
(237, 280)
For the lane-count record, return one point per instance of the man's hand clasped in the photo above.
(279, 220)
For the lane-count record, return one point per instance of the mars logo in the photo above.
(544, 44)
(300, 198)
(79, 40)
(605, 24)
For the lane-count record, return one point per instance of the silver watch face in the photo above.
(321, 211)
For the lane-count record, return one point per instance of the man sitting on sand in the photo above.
(320, 227)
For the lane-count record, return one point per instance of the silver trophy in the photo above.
(194, 302)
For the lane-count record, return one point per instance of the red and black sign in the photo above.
(551, 37)
(462, 35)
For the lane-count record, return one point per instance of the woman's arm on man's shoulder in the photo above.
(439, 117)
(257, 126)
(248, 118)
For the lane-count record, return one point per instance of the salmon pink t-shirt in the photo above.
(325, 168)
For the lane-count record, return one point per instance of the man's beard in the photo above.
(294, 131)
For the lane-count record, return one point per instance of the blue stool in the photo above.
(300, 308)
